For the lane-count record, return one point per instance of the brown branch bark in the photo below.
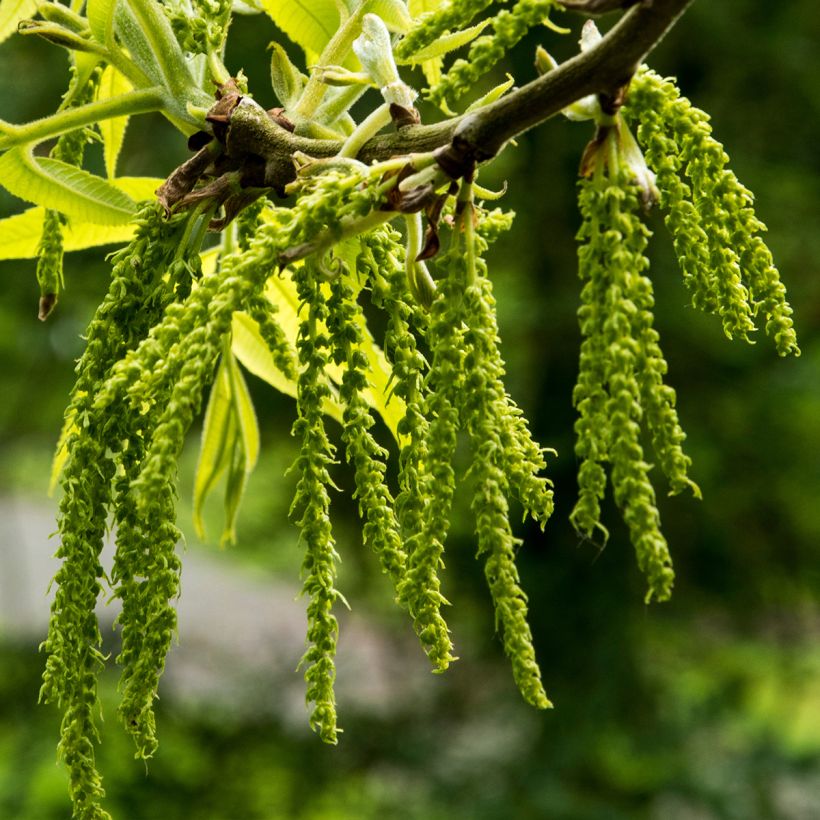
(595, 7)
(479, 136)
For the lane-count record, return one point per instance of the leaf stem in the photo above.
(367, 128)
(140, 101)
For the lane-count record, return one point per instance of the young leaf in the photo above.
(393, 12)
(285, 78)
(431, 68)
(245, 414)
(445, 44)
(20, 234)
(309, 24)
(100, 15)
(11, 12)
(230, 441)
(245, 450)
(234, 490)
(216, 445)
(112, 84)
(64, 188)
(492, 95)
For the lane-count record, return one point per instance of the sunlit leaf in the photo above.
(216, 445)
(309, 23)
(245, 414)
(20, 234)
(11, 12)
(58, 185)
(112, 84)
(100, 15)
(445, 44)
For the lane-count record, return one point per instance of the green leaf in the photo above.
(72, 191)
(11, 12)
(245, 414)
(216, 445)
(245, 449)
(20, 234)
(492, 95)
(309, 23)
(230, 441)
(100, 15)
(445, 44)
(393, 12)
(112, 84)
(285, 78)
(234, 490)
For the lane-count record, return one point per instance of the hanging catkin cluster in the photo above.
(167, 331)
(460, 389)
(621, 394)
(152, 348)
(620, 391)
(726, 264)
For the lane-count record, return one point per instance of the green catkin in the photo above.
(444, 380)
(589, 394)
(69, 148)
(311, 505)
(200, 26)
(611, 263)
(483, 409)
(523, 458)
(382, 254)
(450, 15)
(731, 272)
(509, 28)
(73, 643)
(263, 312)
(151, 349)
(380, 531)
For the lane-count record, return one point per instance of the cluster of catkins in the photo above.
(153, 347)
(621, 392)
(156, 340)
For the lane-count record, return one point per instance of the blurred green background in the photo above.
(705, 707)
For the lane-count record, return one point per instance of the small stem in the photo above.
(219, 73)
(347, 228)
(140, 101)
(335, 53)
(465, 203)
(366, 129)
(330, 110)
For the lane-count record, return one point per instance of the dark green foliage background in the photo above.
(708, 706)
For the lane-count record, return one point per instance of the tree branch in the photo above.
(478, 136)
(594, 7)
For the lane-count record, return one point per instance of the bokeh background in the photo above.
(704, 707)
